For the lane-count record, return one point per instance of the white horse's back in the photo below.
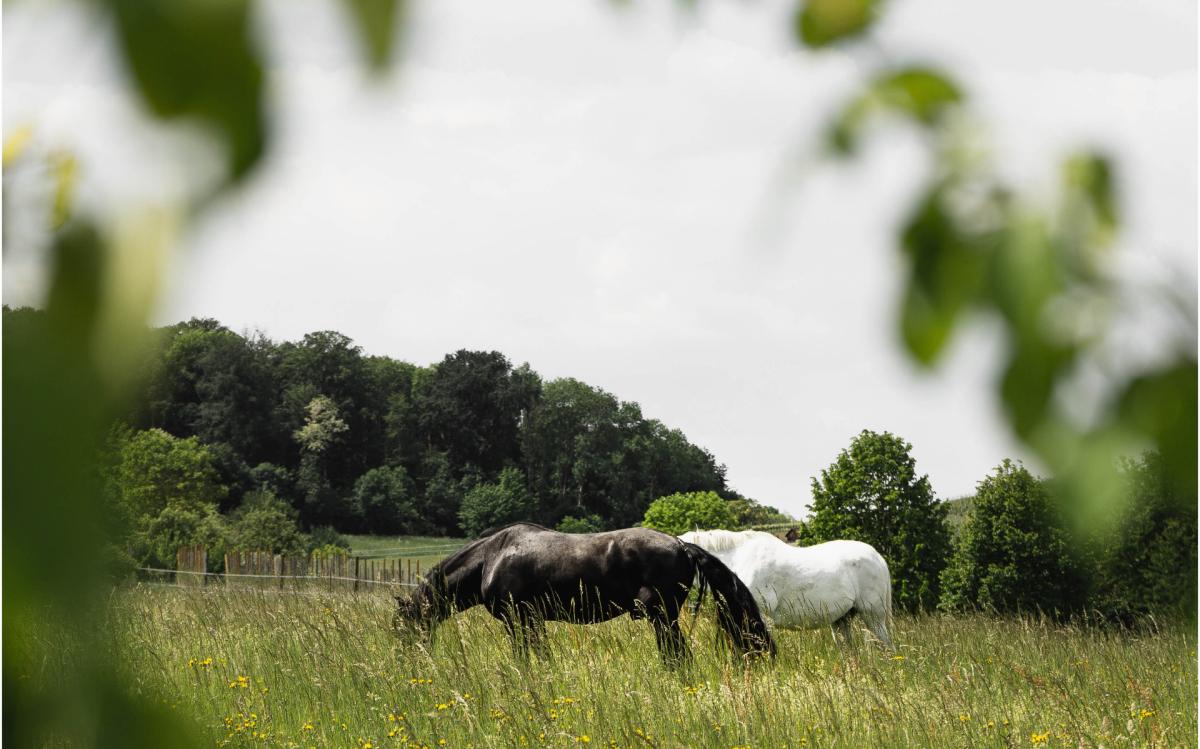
(807, 586)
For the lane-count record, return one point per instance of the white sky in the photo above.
(615, 194)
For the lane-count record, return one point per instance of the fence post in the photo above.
(357, 562)
(189, 560)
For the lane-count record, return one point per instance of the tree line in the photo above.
(1015, 551)
(239, 440)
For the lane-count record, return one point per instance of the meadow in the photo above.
(265, 668)
(426, 550)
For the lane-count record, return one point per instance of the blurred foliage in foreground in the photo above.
(971, 244)
(1044, 268)
(66, 376)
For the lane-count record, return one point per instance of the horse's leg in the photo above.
(876, 621)
(534, 625)
(842, 633)
(672, 645)
(514, 623)
(516, 636)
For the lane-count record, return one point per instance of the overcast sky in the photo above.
(616, 195)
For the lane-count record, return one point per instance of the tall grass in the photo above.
(262, 668)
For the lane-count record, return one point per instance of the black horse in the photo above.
(526, 574)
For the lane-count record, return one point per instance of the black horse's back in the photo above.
(586, 577)
(525, 574)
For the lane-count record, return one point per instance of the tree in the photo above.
(747, 512)
(442, 494)
(385, 500)
(589, 524)
(1014, 553)
(871, 493)
(156, 469)
(329, 364)
(323, 426)
(491, 505)
(389, 392)
(472, 407)
(1147, 563)
(586, 452)
(682, 512)
(276, 479)
(211, 383)
(322, 429)
(160, 537)
(264, 522)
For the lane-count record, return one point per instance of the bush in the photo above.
(324, 536)
(1013, 554)
(264, 522)
(589, 524)
(328, 551)
(1148, 563)
(490, 505)
(682, 512)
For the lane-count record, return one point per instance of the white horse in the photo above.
(807, 586)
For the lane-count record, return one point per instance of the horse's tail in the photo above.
(736, 610)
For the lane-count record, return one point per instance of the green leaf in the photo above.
(920, 94)
(820, 23)
(1090, 174)
(1034, 368)
(375, 21)
(844, 133)
(1089, 214)
(1162, 406)
(197, 59)
(947, 263)
(924, 94)
(1025, 275)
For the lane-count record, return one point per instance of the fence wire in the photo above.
(280, 578)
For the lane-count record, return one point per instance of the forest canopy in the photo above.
(371, 444)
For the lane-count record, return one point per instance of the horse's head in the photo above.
(418, 613)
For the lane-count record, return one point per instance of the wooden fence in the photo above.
(262, 569)
(191, 559)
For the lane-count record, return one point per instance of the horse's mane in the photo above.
(722, 540)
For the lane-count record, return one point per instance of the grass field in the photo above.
(296, 670)
(425, 551)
